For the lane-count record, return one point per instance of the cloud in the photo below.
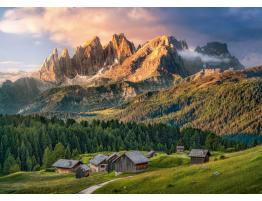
(15, 66)
(73, 26)
(192, 55)
(252, 59)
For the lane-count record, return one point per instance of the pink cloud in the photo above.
(72, 26)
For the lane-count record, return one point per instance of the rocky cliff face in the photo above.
(87, 60)
(222, 57)
(158, 56)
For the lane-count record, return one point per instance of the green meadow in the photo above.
(49, 182)
(238, 172)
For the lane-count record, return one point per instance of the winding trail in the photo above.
(92, 189)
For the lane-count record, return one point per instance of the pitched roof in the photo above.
(199, 153)
(65, 163)
(136, 157)
(84, 167)
(151, 152)
(98, 159)
(112, 156)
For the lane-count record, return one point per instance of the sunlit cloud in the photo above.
(73, 26)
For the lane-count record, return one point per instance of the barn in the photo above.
(199, 156)
(98, 163)
(151, 154)
(66, 166)
(110, 162)
(82, 171)
(180, 149)
(132, 161)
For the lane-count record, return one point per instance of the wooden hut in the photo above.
(199, 156)
(151, 154)
(110, 162)
(132, 161)
(98, 163)
(180, 149)
(66, 166)
(82, 171)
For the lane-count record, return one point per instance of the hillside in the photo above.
(238, 173)
(42, 182)
(224, 102)
(16, 95)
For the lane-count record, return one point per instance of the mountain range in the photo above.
(162, 80)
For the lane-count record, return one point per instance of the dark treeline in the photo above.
(33, 142)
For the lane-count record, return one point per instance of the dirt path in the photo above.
(92, 189)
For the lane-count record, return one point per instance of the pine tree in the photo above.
(47, 158)
(10, 165)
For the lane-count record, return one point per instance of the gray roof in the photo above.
(151, 152)
(199, 153)
(84, 167)
(112, 156)
(98, 159)
(65, 163)
(180, 146)
(136, 157)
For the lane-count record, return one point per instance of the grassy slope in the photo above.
(48, 182)
(240, 172)
(223, 107)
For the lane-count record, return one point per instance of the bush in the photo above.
(50, 169)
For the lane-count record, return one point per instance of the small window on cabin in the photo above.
(102, 166)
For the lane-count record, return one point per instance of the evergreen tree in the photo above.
(10, 165)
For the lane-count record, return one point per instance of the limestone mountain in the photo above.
(119, 60)
(156, 57)
(212, 55)
(87, 60)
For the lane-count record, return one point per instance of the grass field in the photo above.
(239, 172)
(49, 182)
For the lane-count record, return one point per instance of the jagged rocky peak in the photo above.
(166, 41)
(118, 49)
(50, 70)
(214, 49)
(88, 59)
(156, 57)
(220, 57)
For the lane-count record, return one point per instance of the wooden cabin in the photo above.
(180, 149)
(98, 163)
(199, 156)
(110, 162)
(82, 171)
(132, 161)
(66, 165)
(151, 154)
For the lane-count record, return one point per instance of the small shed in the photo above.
(180, 149)
(82, 171)
(110, 161)
(132, 161)
(199, 156)
(151, 154)
(98, 163)
(66, 165)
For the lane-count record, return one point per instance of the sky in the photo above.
(28, 35)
